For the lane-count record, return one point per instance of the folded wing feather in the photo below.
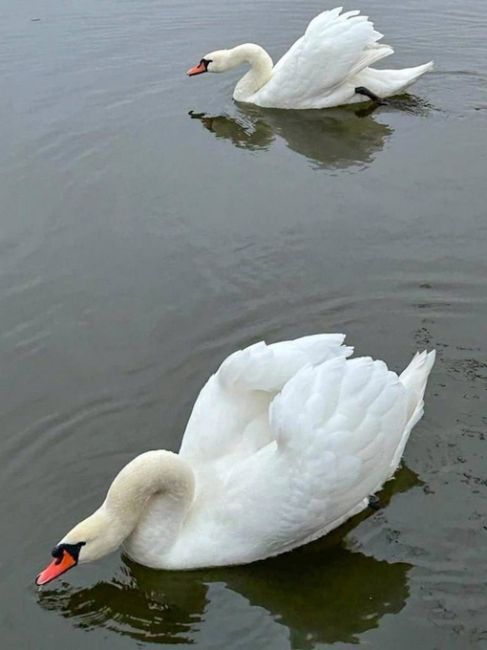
(236, 398)
(334, 428)
(334, 47)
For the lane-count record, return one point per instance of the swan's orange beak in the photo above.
(56, 568)
(198, 69)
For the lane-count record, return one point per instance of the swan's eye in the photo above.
(206, 63)
(57, 553)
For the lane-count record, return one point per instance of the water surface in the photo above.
(140, 245)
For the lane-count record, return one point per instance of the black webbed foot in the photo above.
(362, 90)
(196, 116)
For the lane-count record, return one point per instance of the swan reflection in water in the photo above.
(322, 593)
(331, 138)
(334, 138)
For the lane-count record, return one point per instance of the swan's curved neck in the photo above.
(154, 473)
(160, 475)
(260, 72)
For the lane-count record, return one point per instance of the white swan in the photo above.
(327, 66)
(285, 442)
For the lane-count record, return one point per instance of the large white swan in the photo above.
(285, 442)
(328, 66)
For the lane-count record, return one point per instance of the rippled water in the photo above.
(140, 245)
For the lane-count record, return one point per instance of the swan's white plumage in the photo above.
(331, 446)
(321, 66)
(285, 442)
(238, 395)
(322, 69)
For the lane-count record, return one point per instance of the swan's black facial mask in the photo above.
(200, 68)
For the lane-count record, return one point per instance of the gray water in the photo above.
(139, 246)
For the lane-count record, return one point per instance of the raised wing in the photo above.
(336, 427)
(230, 415)
(333, 49)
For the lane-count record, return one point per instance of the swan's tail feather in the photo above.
(413, 74)
(386, 83)
(407, 76)
(414, 378)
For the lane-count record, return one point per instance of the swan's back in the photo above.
(230, 415)
(335, 47)
(332, 435)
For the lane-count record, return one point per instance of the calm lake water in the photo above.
(140, 246)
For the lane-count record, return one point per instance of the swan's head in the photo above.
(156, 472)
(89, 540)
(217, 61)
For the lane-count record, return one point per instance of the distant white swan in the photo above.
(327, 66)
(285, 442)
